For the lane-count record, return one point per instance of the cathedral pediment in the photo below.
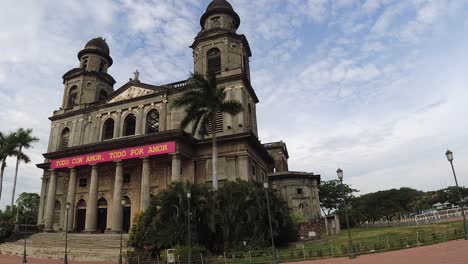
(131, 92)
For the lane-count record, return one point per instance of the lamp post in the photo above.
(449, 155)
(350, 240)
(65, 259)
(189, 242)
(121, 232)
(24, 250)
(265, 186)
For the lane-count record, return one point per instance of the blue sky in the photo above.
(377, 87)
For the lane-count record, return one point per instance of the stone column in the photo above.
(72, 134)
(117, 198)
(40, 216)
(162, 116)
(139, 120)
(71, 199)
(175, 167)
(98, 132)
(117, 124)
(190, 171)
(243, 167)
(145, 185)
(91, 210)
(49, 220)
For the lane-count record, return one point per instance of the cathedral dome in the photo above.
(99, 44)
(219, 4)
(220, 7)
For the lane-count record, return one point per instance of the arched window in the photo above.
(64, 138)
(108, 129)
(102, 202)
(102, 65)
(129, 125)
(85, 62)
(102, 95)
(81, 204)
(72, 96)
(214, 60)
(152, 121)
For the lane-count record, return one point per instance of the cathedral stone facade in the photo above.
(111, 149)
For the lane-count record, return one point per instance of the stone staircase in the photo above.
(82, 247)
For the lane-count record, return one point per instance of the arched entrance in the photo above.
(102, 215)
(127, 213)
(80, 218)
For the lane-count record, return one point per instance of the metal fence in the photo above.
(317, 250)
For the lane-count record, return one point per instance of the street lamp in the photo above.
(265, 186)
(123, 202)
(189, 195)
(67, 207)
(24, 251)
(351, 255)
(449, 155)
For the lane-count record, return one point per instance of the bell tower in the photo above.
(90, 82)
(220, 49)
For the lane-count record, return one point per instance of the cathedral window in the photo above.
(83, 182)
(102, 95)
(299, 191)
(64, 138)
(215, 22)
(72, 96)
(130, 125)
(127, 178)
(108, 129)
(219, 123)
(102, 65)
(152, 122)
(85, 62)
(214, 61)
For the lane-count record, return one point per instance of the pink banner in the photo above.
(113, 155)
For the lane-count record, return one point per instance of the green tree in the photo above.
(332, 193)
(230, 219)
(202, 102)
(7, 149)
(28, 204)
(23, 140)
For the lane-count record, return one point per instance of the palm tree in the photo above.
(23, 140)
(7, 148)
(201, 103)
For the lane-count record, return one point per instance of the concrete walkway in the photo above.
(453, 252)
(9, 259)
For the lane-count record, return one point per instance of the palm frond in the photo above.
(232, 107)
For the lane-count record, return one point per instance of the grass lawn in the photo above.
(371, 240)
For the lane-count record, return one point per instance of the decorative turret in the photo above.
(90, 82)
(220, 14)
(218, 48)
(95, 56)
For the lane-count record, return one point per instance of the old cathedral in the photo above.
(111, 149)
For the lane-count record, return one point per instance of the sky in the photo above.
(378, 88)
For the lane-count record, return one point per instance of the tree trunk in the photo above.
(16, 177)
(2, 170)
(215, 153)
